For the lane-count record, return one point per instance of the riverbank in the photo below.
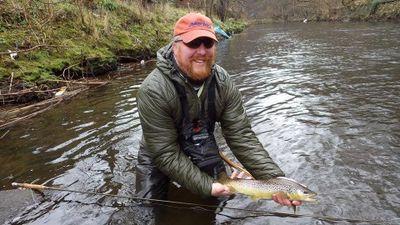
(323, 11)
(42, 45)
(51, 52)
(372, 10)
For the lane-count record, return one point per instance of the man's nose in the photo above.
(202, 49)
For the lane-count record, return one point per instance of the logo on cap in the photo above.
(200, 24)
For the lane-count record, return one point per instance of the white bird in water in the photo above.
(305, 20)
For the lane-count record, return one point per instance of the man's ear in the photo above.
(174, 46)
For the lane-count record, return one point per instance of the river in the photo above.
(322, 98)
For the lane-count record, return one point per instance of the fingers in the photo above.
(282, 199)
(236, 175)
(296, 203)
(218, 190)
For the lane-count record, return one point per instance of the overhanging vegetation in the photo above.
(51, 40)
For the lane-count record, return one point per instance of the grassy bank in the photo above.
(379, 10)
(323, 10)
(74, 39)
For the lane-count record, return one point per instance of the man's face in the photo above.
(196, 57)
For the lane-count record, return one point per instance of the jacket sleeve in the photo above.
(160, 135)
(241, 138)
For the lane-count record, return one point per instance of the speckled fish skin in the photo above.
(264, 189)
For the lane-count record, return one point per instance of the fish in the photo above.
(265, 189)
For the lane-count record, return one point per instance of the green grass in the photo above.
(80, 38)
(72, 35)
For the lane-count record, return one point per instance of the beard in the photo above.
(199, 72)
(196, 67)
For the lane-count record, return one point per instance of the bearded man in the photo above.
(179, 103)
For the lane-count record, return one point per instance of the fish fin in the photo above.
(294, 181)
(254, 198)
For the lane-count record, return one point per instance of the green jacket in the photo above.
(160, 111)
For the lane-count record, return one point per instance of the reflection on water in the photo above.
(322, 98)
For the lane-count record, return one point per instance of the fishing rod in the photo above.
(195, 205)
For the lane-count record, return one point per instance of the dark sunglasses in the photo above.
(208, 43)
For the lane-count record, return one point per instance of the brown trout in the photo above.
(264, 189)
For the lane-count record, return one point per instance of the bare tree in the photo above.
(222, 7)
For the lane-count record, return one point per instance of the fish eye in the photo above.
(306, 192)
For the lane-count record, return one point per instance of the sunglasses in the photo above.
(196, 43)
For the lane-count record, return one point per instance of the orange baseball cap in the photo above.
(194, 25)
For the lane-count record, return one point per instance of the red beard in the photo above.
(198, 72)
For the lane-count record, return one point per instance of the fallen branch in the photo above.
(28, 91)
(68, 68)
(29, 116)
(14, 112)
(11, 81)
(4, 134)
(57, 100)
(81, 82)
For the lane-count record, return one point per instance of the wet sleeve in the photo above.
(240, 137)
(160, 135)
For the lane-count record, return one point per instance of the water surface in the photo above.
(322, 98)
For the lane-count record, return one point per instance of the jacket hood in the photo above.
(165, 61)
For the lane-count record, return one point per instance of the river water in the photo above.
(322, 98)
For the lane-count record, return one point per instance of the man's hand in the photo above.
(282, 199)
(219, 190)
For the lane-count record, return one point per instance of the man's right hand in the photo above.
(219, 190)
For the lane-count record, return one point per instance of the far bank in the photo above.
(42, 45)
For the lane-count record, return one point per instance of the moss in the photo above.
(3, 72)
(79, 39)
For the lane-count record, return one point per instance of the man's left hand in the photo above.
(282, 199)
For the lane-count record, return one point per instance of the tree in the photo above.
(222, 7)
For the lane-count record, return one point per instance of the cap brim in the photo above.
(191, 35)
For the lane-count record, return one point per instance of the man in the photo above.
(179, 103)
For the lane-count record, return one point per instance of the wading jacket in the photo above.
(160, 113)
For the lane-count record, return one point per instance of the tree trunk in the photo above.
(209, 8)
(221, 9)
